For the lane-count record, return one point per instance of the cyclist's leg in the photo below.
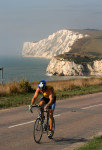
(51, 123)
(51, 118)
(42, 103)
(51, 112)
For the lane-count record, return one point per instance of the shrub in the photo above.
(25, 86)
(15, 87)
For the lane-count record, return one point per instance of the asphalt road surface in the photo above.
(77, 119)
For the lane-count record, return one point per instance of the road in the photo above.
(77, 119)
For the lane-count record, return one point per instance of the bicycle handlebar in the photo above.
(30, 107)
(36, 106)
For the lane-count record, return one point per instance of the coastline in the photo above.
(33, 70)
(26, 56)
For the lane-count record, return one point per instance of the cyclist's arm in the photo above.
(35, 96)
(51, 96)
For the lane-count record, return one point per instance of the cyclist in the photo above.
(48, 100)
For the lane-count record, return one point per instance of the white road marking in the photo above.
(91, 106)
(54, 116)
(57, 115)
(21, 124)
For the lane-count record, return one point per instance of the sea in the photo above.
(31, 69)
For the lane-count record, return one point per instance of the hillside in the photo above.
(57, 43)
(84, 57)
(75, 41)
(91, 45)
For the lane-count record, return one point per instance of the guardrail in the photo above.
(2, 74)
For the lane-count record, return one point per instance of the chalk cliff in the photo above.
(58, 66)
(57, 43)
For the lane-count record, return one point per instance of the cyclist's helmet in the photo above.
(42, 85)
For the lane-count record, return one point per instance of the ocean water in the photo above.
(31, 69)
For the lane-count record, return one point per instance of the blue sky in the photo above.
(33, 20)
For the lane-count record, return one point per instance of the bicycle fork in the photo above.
(46, 124)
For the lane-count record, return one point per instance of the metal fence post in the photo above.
(1, 74)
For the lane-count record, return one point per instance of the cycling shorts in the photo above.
(47, 100)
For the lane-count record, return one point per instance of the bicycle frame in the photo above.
(40, 125)
(47, 117)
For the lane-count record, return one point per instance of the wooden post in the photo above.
(1, 74)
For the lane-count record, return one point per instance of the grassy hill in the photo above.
(85, 50)
(90, 45)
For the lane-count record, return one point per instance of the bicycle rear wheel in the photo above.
(38, 129)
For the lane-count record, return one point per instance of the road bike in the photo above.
(41, 125)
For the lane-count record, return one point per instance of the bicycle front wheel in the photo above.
(38, 129)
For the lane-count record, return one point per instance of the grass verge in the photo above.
(19, 99)
(94, 144)
(79, 91)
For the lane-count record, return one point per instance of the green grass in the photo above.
(16, 100)
(94, 144)
(85, 50)
(82, 59)
(91, 44)
(79, 91)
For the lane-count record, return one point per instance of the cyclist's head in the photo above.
(42, 85)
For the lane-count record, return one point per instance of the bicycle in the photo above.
(42, 125)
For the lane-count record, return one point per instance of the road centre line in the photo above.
(21, 124)
(54, 116)
(91, 106)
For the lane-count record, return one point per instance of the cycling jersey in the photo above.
(45, 97)
(46, 92)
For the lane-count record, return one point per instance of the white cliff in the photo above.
(57, 43)
(69, 68)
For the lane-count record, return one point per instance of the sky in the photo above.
(33, 20)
